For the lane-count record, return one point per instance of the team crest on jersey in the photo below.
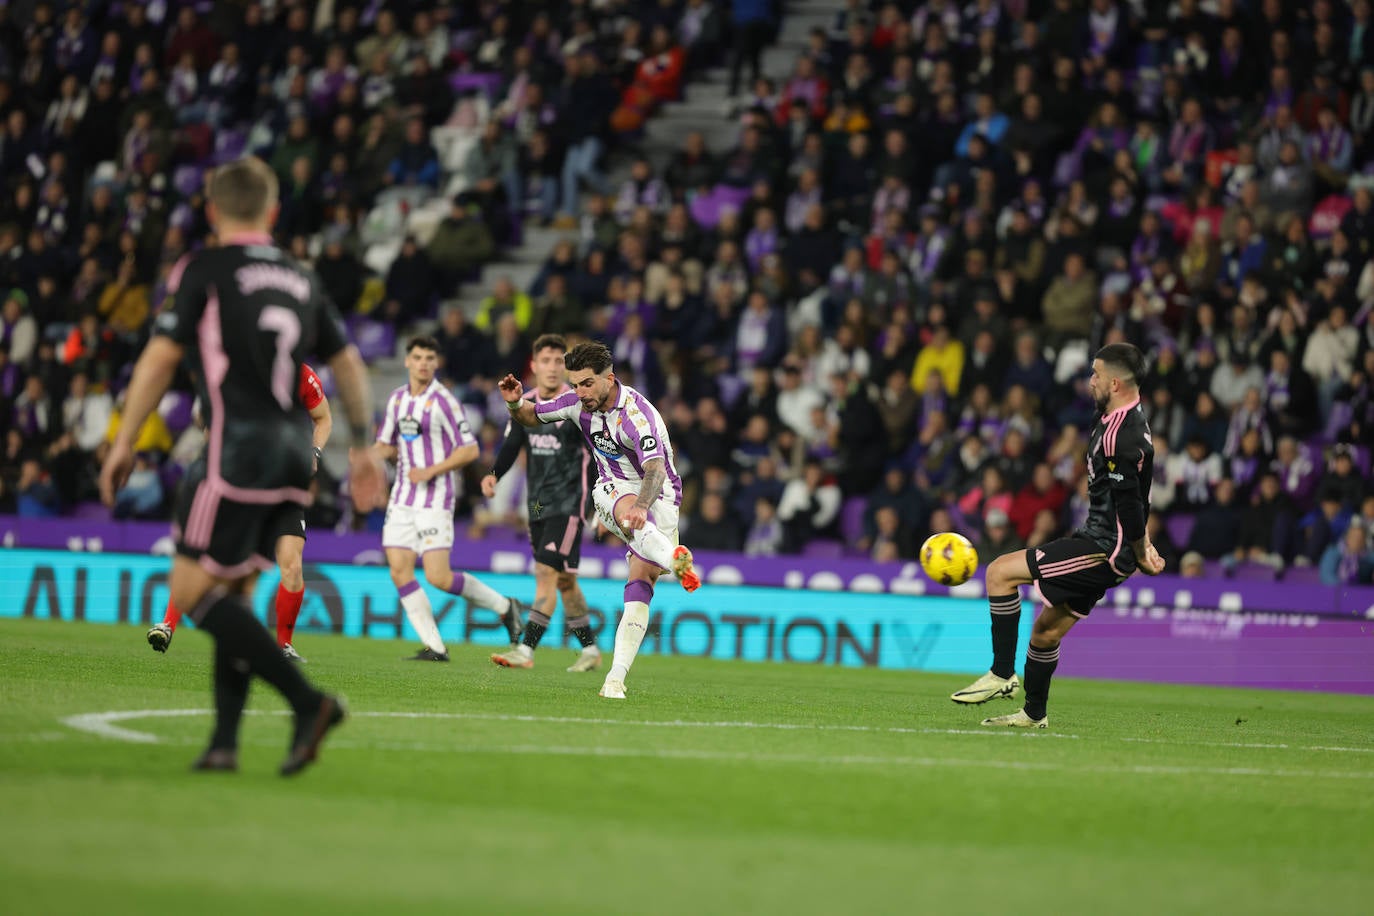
(409, 428)
(604, 444)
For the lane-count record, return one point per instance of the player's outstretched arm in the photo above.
(367, 481)
(153, 374)
(521, 411)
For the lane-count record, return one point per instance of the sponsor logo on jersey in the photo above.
(648, 444)
(604, 444)
(409, 428)
(544, 442)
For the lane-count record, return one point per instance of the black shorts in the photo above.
(1073, 572)
(557, 542)
(231, 539)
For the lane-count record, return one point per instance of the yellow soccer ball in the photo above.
(949, 558)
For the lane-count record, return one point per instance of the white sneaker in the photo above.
(589, 660)
(290, 654)
(987, 687)
(613, 690)
(1018, 719)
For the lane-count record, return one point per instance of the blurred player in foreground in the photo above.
(1073, 573)
(425, 433)
(637, 492)
(290, 540)
(557, 493)
(243, 315)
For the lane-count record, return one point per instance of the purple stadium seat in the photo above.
(824, 550)
(1303, 575)
(1254, 572)
(229, 145)
(486, 83)
(91, 511)
(374, 339)
(187, 179)
(852, 519)
(1180, 528)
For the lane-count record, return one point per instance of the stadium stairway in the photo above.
(702, 108)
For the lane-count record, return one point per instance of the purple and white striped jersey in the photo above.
(425, 429)
(622, 438)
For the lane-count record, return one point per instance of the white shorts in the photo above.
(608, 492)
(418, 530)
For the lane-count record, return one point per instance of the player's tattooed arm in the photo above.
(655, 473)
(521, 410)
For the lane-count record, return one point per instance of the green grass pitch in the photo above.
(716, 788)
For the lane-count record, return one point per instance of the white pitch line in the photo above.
(101, 724)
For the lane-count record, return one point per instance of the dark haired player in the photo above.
(243, 315)
(637, 491)
(425, 433)
(1073, 573)
(290, 540)
(558, 493)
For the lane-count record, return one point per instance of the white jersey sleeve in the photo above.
(564, 407)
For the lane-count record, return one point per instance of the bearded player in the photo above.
(1072, 574)
(558, 491)
(637, 492)
(290, 540)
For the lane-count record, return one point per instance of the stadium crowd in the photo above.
(870, 318)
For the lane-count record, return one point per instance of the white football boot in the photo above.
(987, 687)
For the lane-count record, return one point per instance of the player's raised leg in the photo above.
(290, 591)
(160, 634)
(1042, 657)
(541, 610)
(579, 622)
(1004, 578)
(416, 604)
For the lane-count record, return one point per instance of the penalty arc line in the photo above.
(102, 724)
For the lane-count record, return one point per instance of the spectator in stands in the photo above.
(411, 285)
(1348, 561)
(1068, 303)
(1267, 529)
(504, 299)
(765, 537)
(587, 104)
(18, 330)
(460, 246)
(714, 528)
(1216, 532)
(809, 507)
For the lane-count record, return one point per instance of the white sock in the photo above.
(483, 595)
(421, 617)
(524, 650)
(628, 636)
(653, 545)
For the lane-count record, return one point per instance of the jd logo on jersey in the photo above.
(605, 445)
(647, 444)
(409, 428)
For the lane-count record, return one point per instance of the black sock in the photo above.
(1006, 621)
(583, 631)
(238, 633)
(534, 629)
(1040, 665)
(232, 678)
